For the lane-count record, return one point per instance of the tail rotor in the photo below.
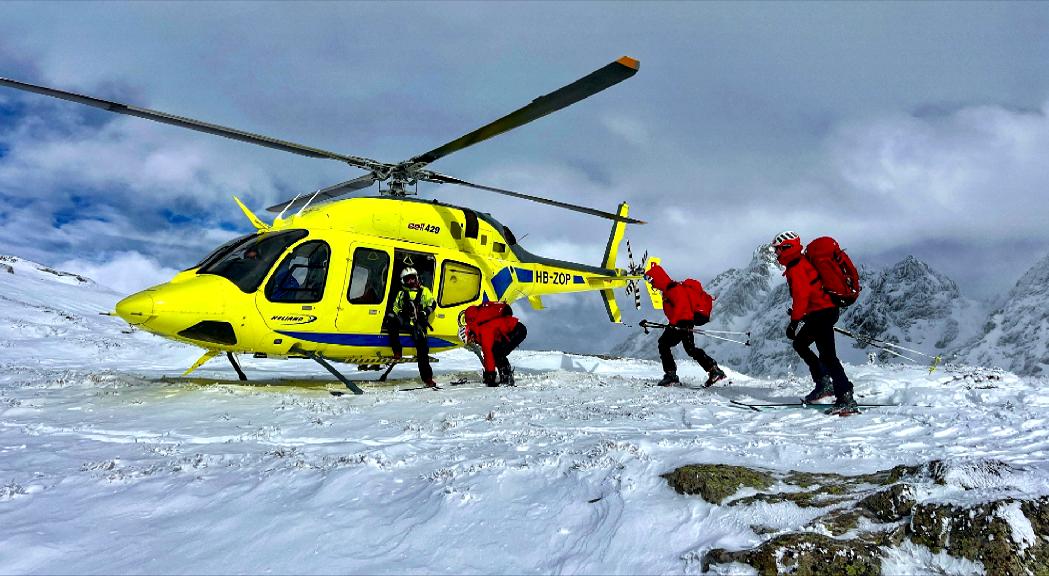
(633, 286)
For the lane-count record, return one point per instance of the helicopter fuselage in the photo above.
(322, 281)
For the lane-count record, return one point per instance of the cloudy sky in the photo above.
(898, 128)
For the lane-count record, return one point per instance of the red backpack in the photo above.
(701, 302)
(479, 314)
(840, 279)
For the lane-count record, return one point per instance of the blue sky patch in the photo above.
(176, 218)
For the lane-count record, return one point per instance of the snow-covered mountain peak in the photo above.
(28, 268)
(1016, 336)
(911, 302)
(738, 290)
(1034, 283)
(39, 304)
(912, 272)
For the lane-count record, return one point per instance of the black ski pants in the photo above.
(503, 348)
(682, 334)
(819, 329)
(419, 339)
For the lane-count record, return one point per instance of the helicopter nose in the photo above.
(136, 309)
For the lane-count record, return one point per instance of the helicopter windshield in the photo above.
(222, 250)
(247, 264)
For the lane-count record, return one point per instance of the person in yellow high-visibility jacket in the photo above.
(411, 314)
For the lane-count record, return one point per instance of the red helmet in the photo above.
(787, 246)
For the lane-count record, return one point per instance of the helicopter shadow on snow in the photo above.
(285, 383)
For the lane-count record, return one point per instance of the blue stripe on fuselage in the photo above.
(501, 282)
(378, 340)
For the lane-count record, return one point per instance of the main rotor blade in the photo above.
(586, 86)
(325, 194)
(443, 179)
(192, 124)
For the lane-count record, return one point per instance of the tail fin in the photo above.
(609, 262)
(615, 238)
(653, 294)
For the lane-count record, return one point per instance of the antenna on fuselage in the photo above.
(306, 205)
(288, 205)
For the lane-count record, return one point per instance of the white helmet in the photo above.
(784, 236)
(409, 271)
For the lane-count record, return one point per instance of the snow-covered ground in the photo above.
(110, 464)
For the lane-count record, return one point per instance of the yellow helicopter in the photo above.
(318, 282)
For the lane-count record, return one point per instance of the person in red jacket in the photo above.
(682, 314)
(493, 327)
(812, 306)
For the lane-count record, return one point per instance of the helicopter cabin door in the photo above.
(424, 265)
(364, 306)
(296, 297)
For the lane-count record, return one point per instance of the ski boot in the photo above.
(431, 384)
(669, 379)
(489, 379)
(824, 389)
(506, 375)
(844, 406)
(716, 374)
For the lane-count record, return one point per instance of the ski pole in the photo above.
(645, 325)
(895, 353)
(871, 340)
(887, 346)
(709, 335)
(708, 331)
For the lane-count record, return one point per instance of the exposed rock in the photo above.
(890, 505)
(999, 534)
(1008, 536)
(715, 482)
(969, 475)
(841, 522)
(824, 496)
(804, 554)
(7, 268)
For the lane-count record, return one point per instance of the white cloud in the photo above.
(125, 272)
(976, 174)
(629, 128)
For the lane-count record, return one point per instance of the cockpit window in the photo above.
(247, 264)
(223, 250)
(300, 277)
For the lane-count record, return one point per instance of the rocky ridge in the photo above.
(971, 514)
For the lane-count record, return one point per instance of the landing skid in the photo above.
(387, 372)
(349, 383)
(236, 366)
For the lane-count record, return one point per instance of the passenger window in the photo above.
(460, 283)
(301, 275)
(368, 278)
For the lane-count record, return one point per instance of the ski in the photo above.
(434, 388)
(814, 406)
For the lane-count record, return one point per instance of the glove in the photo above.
(792, 329)
(489, 379)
